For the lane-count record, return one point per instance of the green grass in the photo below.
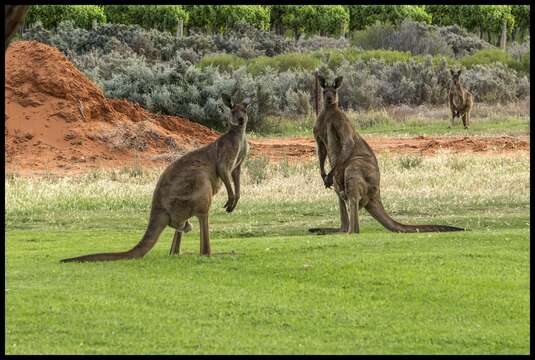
(271, 287)
(381, 123)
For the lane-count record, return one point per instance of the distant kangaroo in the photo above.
(354, 170)
(186, 188)
(461, 100)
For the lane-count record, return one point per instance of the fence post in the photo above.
(180, 29)
(503, 39)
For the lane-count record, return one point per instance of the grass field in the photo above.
(512, 119)
(271, 287)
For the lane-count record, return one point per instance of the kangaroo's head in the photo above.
(330, 93)
(238, 112)
(456, 78)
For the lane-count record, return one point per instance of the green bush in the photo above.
(51, 15)
(223, 62)
(161, 17)
(487, 56)
(291, 61)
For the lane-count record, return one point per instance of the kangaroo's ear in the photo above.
(226, 100)
(459, 72)
(246, 101)
(322, 81)
(452, 72)
(338, 82)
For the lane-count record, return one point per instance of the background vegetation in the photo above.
(383, 65)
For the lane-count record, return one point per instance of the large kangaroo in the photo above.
(354, 170)
(461, 100)
(186, 188)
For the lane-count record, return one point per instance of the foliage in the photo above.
(362, 16)
(482, 18)
(161, 17)
(487, 56)
(521, 14)
(51, 15)
(330, 20)
(222, 17)
(223, 62)
(280, 63)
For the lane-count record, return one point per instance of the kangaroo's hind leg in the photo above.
(205, 236)
(466, 119)
(177, 238)
(354, 227)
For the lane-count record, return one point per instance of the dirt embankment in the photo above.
(58, 120)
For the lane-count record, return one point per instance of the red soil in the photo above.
(299, 148)
(58, 118)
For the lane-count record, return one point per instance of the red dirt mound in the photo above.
(57, 118)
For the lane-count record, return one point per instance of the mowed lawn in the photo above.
(270, 287)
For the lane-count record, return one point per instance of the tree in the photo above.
(51, 15)
(361, 16)
(161, 17)
(522, 21)
(324, 19)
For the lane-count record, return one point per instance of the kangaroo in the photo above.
(186, 188)
(354, 170)
(461, 100)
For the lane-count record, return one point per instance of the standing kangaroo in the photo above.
(354, 170)
(461, 100)
(186, 188)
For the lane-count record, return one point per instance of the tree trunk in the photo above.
(503, 38)
(13, 17)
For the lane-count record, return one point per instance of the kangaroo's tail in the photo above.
(375, 208)
(156, 225)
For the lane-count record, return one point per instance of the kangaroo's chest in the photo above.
(327, 134)
(458, 99)
(243, 150)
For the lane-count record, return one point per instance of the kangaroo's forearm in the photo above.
(322, 154)
(225, 177)
(236, 180)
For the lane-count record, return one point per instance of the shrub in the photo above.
(223, 62)
(51, 15)
(257, 168)
(418, 38)
(487, 56)
(291, 61)
(410, 161)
